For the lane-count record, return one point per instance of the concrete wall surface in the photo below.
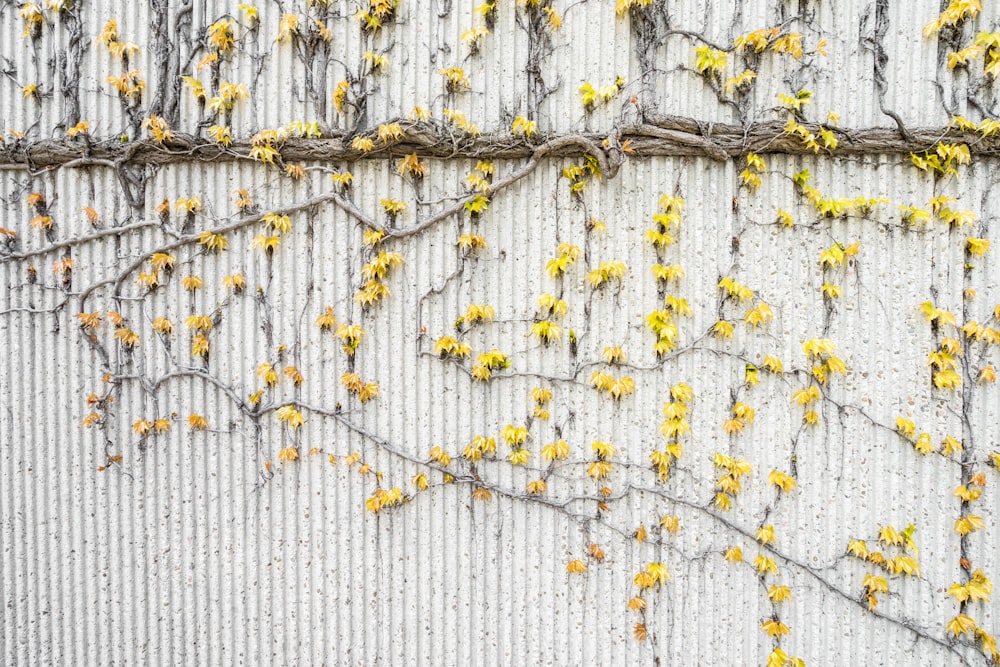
(743, 396)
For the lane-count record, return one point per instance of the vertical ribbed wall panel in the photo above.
(423, 40)
(202, 547)
(197, 543)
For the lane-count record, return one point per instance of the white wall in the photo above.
(192, 551)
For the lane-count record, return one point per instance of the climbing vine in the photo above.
(366, 253)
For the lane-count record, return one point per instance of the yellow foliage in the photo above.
(455, 79)
(778, 594)
(790, 44)
(519, 457)
(616, 389)
(515, 436)
(162, 325)
(961, 625)
(762, 314)
(440, 456)
(782, 480)
(710, 62)
(556, 451)
(476, 314)
(536, 487)
(954, 13)
(968, 524)
(472, 36)
(765, 564)
(606, 272)
(290, 416)
(723, 329)
(765, 535)
(599, 470)
(449, 345)
(546, 331)
(522, 125)
(637, 603)
(127, 337)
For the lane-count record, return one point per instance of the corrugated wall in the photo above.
(427, 38)
(201, 547)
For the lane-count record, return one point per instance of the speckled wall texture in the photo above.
(387, 531)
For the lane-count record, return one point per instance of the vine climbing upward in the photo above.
(348, 245)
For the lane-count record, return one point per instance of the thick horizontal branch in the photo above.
(662, 136)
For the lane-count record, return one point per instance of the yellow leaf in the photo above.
(289, 24)
(268, 373)
(723, 501)
(519, 456)
(890, 536)
(420, 481)
(777, 658)
(734, 425)
(923, 444)
(455, 79)
(739, 82)
(556, 451)
(546, 331)
(781, 480)
(759, 315)
(987, 374)
(599, 470)
(235, 282)
(977, 246)
(658, 572)
(961, 625)
(765, 564)
(288, 414)
(858, 548)
(127, 337)
(947, 379)
(779, 594)
(536, 487)
(979, 587)
(710, 62)
(875, 584)
(723, 329)
(199, 346)
(790, 44)
(806, 396)
(541, 396)
(439, 456)
(524, 126)
(774, 628)
(903, 565)
(950, 446)
(968, 524)
(681, 392)
(471, 36)
(765, 535)
(831, 291)
(514, 435)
